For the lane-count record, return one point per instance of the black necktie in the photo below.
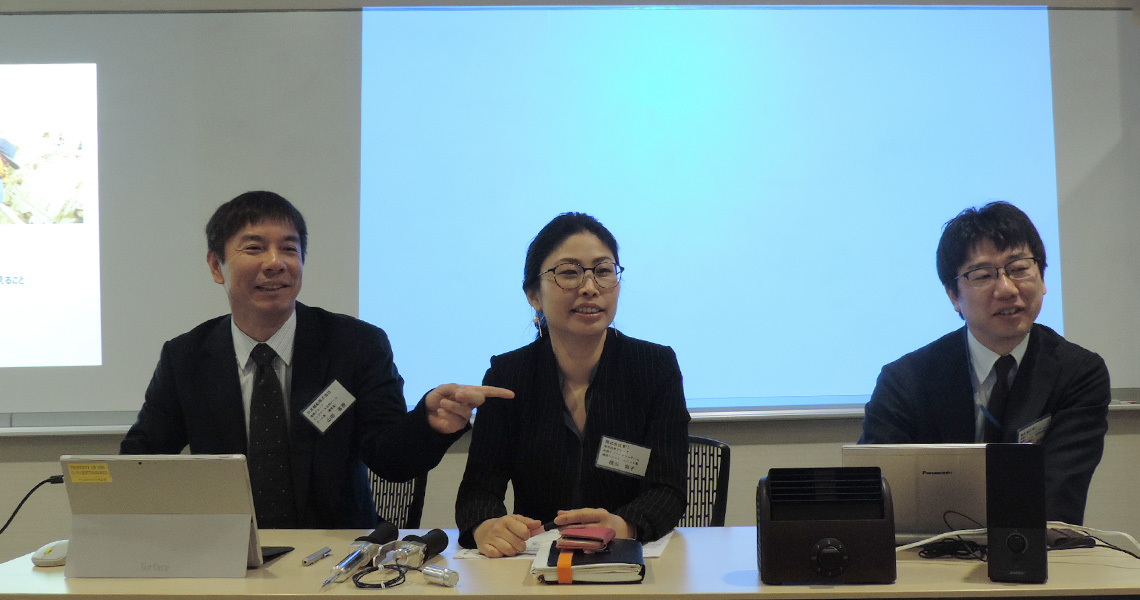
(270, 473)
(998, 397)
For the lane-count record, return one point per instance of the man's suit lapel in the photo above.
(309, 371)
(954, 407)
(219, 391)
(1032, 386)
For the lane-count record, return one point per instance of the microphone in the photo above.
(434, 542)
(367, 546)
(414, 550)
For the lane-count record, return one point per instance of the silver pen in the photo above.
(314, 557)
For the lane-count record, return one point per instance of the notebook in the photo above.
(160, 516)
(620, 562)
(927, 481)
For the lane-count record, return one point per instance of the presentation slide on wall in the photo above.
(49, 216)
(777, 178)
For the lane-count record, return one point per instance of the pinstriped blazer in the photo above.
(635, 396)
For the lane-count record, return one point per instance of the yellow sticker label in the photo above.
(89, 472)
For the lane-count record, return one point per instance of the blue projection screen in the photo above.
(777, 178)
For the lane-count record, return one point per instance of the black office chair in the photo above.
(708, 483)
(401, 504)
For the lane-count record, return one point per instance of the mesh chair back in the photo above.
(401, 504)
(708, 483)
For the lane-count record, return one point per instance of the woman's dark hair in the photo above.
(553, 235)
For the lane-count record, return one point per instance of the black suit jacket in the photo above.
(635, 396)
(194, 399)
(926, 397)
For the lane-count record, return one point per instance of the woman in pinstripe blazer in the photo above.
(597, 431)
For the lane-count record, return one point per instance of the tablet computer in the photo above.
(183, 515)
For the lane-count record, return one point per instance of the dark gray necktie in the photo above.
(998, 397)
(270, 472)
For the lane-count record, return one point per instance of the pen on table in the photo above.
(314, 557)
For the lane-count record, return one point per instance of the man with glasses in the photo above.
(1002, 377)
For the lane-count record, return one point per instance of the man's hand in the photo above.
(449, 406)
(599, 517)
(505, 536)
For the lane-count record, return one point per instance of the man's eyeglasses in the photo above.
(569, 276)
(1021, 269)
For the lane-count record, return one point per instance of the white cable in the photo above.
(1051, 525)
(1086, 530)
(940, 536)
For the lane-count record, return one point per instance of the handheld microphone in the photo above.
(434, 542)
(367, 546)
(414, 550)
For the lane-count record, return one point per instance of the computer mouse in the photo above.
(52, 554)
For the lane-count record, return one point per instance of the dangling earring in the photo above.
(539, 321)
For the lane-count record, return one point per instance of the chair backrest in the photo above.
(401, 504)
(708, 483)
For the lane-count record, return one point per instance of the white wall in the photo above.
(272, 101)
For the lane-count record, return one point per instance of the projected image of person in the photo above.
(1002, 377)
(580, 386)
(7, 165)
(240, 383)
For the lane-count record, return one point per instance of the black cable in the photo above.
(1105, 544)
(954, 548)
(387, 583)
(964, 549)
(963, 515)
(52, 479)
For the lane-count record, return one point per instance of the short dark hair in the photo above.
(252, 208)
(553, 235)
(1000, 223)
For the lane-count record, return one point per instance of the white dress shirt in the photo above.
(282, 344)
(983, 376)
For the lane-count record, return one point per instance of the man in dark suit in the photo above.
(1001, 378)
(312, 397)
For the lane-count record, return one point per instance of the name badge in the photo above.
(328, 406)
(1034, 433)
(623, 457)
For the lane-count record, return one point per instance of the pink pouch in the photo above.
(585, 538)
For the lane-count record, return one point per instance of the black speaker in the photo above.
(829, 525)
(1015, 513)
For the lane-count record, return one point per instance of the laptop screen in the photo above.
(935, 488)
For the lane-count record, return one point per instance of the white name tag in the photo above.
(1034, 433)
(328, 406)
(623, 457)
